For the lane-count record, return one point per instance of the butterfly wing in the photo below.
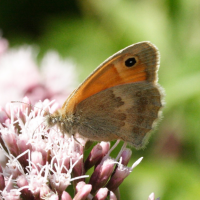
(114, 72)
(125, 112)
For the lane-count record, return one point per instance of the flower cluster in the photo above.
(20, 75)
(40, 163)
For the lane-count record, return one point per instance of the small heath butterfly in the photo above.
(121, 99)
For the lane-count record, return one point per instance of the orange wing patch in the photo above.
(114, 72)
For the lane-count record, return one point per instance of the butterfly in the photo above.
(121, 99)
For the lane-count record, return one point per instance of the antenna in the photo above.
(33, 106)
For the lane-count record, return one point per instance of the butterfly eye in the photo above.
(130, 62)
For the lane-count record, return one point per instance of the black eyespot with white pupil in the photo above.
(130, 62)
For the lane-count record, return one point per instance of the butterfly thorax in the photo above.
(64, 121)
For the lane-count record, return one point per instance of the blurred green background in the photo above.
(90, 31)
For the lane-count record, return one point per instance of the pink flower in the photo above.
(21, 76)
(152, 197)
(40, 163)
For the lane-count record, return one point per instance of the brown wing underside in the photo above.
(125, 112)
